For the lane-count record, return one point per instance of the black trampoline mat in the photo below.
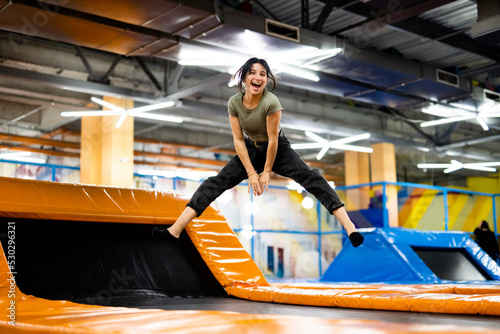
(453, 264)
(233, 304)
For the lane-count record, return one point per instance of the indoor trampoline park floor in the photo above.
(254, 308)
(95, 247)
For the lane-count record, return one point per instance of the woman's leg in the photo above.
(288, 163)
(185, 218)
(231, 175)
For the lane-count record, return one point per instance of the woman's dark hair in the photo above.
(243, 71)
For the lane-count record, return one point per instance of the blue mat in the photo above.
(409, 256)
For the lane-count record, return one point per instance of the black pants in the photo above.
(288, 163)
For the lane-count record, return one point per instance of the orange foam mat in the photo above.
(32, 315)
(415, 298)
(216, 242)
(118, 321)
(227, 259)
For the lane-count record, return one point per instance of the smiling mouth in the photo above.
(256, 85)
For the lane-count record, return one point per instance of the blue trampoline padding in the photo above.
(387, 256)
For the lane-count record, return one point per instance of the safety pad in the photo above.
(36, 315)
(432, 298)
(226, 258)
(398, 255)
(210, 233)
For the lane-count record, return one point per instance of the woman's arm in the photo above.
(241, 150)
(273, 128)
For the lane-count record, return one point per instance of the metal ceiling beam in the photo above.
(149, 73)
(429, 30)
(305, 13)
(388, 16)
(198, 87)
(40, 5)
(461, 41)
(266, 11)
(87, 87)
(469, 142)
(325, 12)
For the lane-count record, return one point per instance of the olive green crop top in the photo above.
(253, 121)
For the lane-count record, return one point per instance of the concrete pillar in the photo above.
(383, 168)
(357, 171)
(107, 153)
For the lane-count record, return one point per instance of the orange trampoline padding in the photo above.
(75, 202)
(228, 261)
(432, 298)
(216, 242)
(40, 316)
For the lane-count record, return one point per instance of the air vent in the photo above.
(491, 95)
(282, 30)
(447, 78)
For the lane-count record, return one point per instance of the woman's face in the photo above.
(256, 80)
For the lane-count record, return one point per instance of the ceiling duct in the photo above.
(281, 30)
(447, 78)
(485, 95)
(487, 28)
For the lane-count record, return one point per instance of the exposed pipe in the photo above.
(41, 151)
(5, 7)
(470, 142)
(39, 141)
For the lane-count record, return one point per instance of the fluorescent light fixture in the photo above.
(461, 112)
(433, 165)
(323, 151)
(489, 114)
(351, 139)
(190, 175)
(118, 111)
(107, 105)
(482, 122)
(423, 149)
(166, 118)
(455, 165)
(14, 154)
(135, 111)
(322, 55)
(305, 146)
(90, 113)
(486, 169)
(484, 164)
(447, 120)
(314, 136)
(298, 72)
(339, 144)
(444, 111)
(121, 120)
(211, 62)
(352, 148)
(21, 157)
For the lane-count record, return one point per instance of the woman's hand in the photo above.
(265, 177)
(254, 184)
